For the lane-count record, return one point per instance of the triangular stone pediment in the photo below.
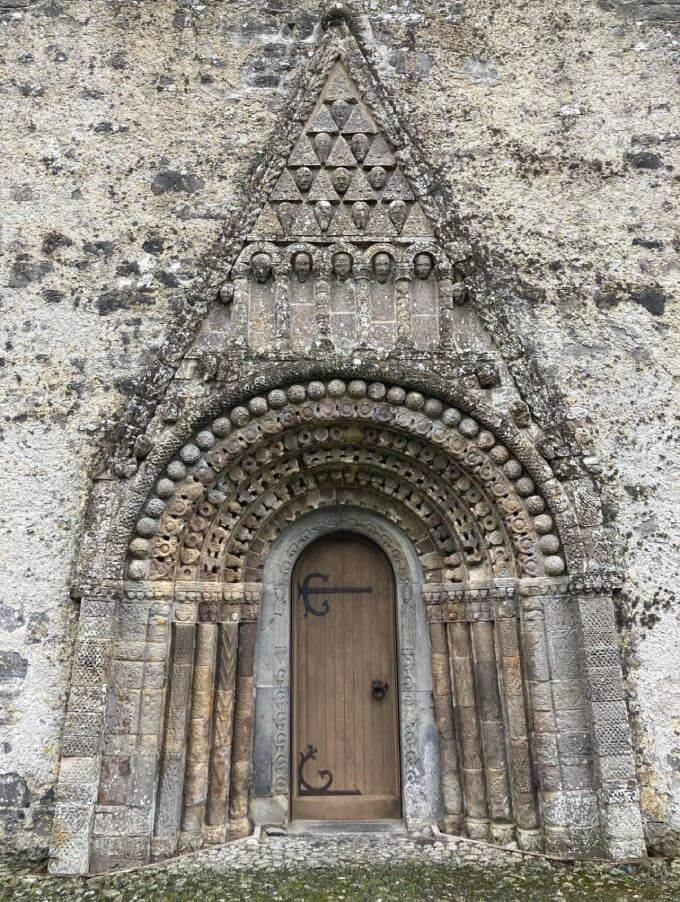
(341, 186)
(341, 133)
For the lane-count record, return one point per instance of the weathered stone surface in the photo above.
(110, 230)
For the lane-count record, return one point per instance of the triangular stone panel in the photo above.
(323, 189)
(340, 88)
(285, 188)
(341, 155)
(303, 153)
(380, 224)
(359, 188)
(342, 223)
(417, 224)
(322, 122)
(379, 154)
(359, 121)
(397, 188)
(268, 224)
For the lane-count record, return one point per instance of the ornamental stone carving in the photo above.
(346, 375)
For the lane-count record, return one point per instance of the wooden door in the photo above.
(345, 759)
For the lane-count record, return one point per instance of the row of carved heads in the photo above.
(380, 261)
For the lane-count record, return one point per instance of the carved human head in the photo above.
(341, 179)
(360, 146)
(397, 213)
(322, 143)
(423, 265)
(360, 212)
(342, 265)
(286, 213)
(340, 112)
(377, 177)
(382, 265)
(323, 210)
(261, 266)
(303, 178)
(302, 265)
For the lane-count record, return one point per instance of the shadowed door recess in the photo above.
(345, 719)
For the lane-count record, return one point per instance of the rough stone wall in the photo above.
(127, 131)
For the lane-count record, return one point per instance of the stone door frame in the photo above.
(419, 750)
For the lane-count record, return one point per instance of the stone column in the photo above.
(474, 789)
(81, 742)
(282, 306)
(617, 787)
(529, 835)
(561, 750)
(322, 300)
(445, 292)
(241, 759)
(220, 757)
(443, 712)
(198, 747)
(122, 828)
(171, 779)
(238, 334)
(492, 731)
(402, 284)
(362, 295)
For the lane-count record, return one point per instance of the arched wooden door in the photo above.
(345, 695)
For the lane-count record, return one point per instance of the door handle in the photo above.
(379, 689)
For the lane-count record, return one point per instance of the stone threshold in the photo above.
(335, 828)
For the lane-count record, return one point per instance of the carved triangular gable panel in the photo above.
(346, 158)
(322, 253)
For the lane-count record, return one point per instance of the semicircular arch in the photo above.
(387, 429)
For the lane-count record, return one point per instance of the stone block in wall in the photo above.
(585, 842)
(128, 674)
(573, 809)
(616, 767)
(123, 714)
(568, 694)
(132, 621)
(621, 827)
(577, 776)
(570, 721)
(78, 779)
(110, 853)
(70, 842)
(619, 792)
(564, 655)
(604, 683)
(120, 820)
(154, 675)
(143, 781)
(115, 780)
(612, 740)
(91, 662)
(82, 734)
(574, 746)
(151, 711)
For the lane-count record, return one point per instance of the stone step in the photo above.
(335, 828)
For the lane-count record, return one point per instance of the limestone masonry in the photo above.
(274, 272)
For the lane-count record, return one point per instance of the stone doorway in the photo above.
(345, 730)
(355, 549)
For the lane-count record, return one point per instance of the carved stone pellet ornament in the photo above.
(343, 375)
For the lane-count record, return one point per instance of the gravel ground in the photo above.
(350, 867)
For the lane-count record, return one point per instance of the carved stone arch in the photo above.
(381, 248)
(259, 247)
(532, 728)
(396, 413)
